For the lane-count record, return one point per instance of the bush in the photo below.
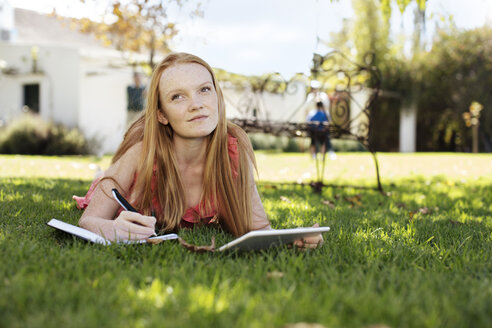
(31, 135)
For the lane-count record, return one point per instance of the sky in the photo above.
(261, 36)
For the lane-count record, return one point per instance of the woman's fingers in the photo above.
(310, 242)
(314, 240)
(146, 221)
(134, 225)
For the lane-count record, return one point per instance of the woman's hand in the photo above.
(310, 242)
(131, 225)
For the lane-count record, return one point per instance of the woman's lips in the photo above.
(198, 118)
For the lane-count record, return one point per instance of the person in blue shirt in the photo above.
(319, 120)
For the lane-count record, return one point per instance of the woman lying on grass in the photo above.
(181, 163)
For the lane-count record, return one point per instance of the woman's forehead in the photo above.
(183, 75)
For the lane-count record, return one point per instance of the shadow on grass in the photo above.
(378, 263)
(434, 212)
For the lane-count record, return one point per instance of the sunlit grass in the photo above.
(419, 257)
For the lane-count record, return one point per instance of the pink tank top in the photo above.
(193, 215)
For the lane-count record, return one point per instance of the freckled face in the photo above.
(188, 100)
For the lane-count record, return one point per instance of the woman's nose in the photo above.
(195, 103)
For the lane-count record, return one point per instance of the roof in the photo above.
(38, 28)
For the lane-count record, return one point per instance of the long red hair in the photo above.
(231, 196)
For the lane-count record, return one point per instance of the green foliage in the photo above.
(29, 134)
(136, 26)
(379, 265)
(443, 81)
(369, 32)
(456, 72)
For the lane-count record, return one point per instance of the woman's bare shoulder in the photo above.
(134, 151)
(128, 162)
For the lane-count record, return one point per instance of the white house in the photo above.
(65, 76)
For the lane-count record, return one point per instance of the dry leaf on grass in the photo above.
(274, 274)
(455, 222)
(424, 210)
(401, 205)
(411, 214)
(327, 202)
(355, 200)
(198, 249)
(304, 325)
(285, 199)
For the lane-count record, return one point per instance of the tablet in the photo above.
(262, 239)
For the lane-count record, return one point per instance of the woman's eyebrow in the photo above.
(173, 91)
(205, 83)
(178, 90)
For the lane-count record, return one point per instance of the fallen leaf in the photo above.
(327, 202)
(285, 199)
(411, 214)
(455, 222)
(355, 200)
(424, 211)
(198, 249)
(304, 325)
(401, 205)
(274, 274)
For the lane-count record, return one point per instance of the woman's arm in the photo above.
(259, 217)
(99, 216)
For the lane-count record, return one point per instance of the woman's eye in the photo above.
(176, 97)
(206, 89)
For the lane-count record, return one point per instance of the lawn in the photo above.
(419, 256)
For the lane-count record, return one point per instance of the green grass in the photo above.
(420, 257)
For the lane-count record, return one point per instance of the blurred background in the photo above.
(73, 73)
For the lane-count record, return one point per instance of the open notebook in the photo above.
(95, 238)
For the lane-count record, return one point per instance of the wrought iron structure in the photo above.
(353, 89)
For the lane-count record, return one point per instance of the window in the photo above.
(31, 97)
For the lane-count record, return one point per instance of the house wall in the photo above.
(75, 90)
(103, 101)
(359, 121)
(408, 124)
(12, 97)
(62, 68)
(269, 106)
(58, 76)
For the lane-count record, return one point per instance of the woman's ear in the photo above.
(161, 118)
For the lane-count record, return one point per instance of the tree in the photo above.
(456, 72)
(136, 25)
(370, 33)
